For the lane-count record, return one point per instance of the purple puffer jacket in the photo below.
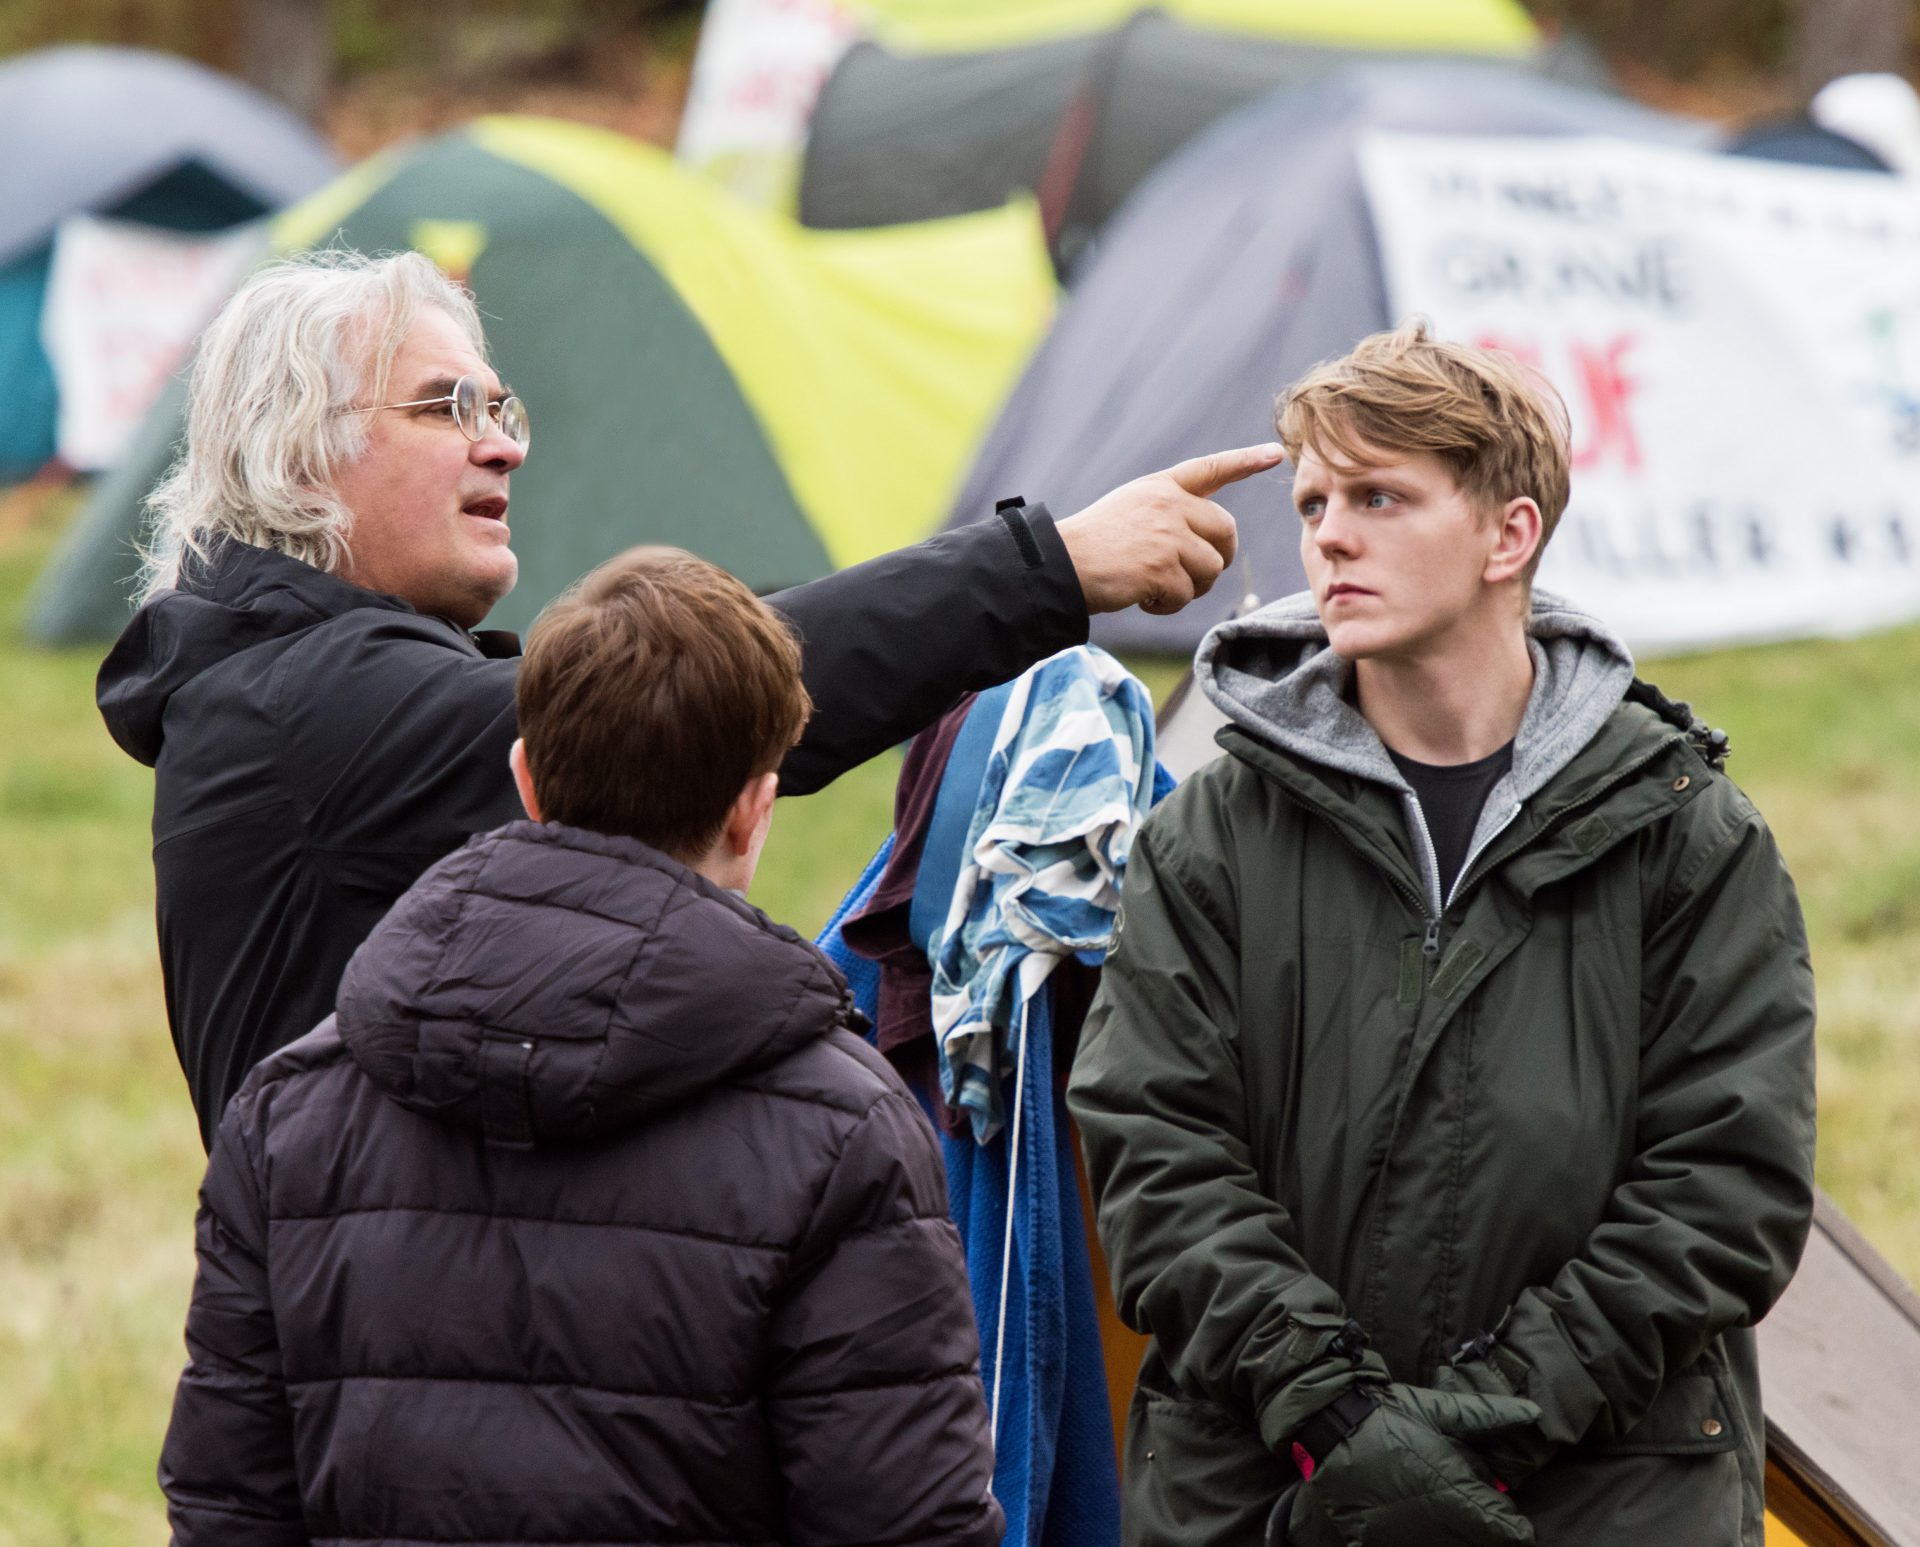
(587, 1219)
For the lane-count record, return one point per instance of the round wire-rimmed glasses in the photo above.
(470, 410)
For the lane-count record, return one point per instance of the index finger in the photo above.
(1207, 475)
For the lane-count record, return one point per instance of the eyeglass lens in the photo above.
(471, 411)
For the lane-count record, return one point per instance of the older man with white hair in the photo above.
(305, 678)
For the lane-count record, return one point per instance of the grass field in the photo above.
(99, 1157)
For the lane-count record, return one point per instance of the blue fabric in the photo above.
(862, 976)
(945, 847)
(26, 374)
(1055, 1458)
(1054, 1471)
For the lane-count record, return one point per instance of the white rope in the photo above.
(1006, 1244)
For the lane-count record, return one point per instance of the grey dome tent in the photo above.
(1080, 121)
(136, 135)
(1241, 262)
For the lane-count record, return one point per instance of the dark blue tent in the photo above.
(138, 136)
(1804, 142)
(1242, 261)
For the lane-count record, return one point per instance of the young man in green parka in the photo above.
(1448, 1098)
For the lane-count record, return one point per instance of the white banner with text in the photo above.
(1738, 344)
(122, 307)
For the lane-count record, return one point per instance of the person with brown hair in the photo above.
(1448, 1099)
(589, 1216)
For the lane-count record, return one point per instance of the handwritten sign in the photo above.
(123, 303)
(1738, 345)
(756, 77)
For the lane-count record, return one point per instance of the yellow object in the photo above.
(313, 221)
(873, 360)
(965, 26)
(454, 245)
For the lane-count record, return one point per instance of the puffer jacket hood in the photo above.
(587, 1218)
(239, 598)
(1273, 674)
(546, 983)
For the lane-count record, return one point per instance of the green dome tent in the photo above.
(781, 401)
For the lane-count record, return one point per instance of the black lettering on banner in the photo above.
(1712, 539)
(1705, 539)
(1877, 541)
(1647, 274)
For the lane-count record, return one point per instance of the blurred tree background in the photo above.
(371, 71)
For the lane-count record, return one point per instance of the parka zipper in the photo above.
(1419, 904)
(1430, 940)
(1479, 849)
(1430, 944)
(1433, 856)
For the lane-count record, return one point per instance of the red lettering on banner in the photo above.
(1524, 350)
(1608, 391)
(1604, 390)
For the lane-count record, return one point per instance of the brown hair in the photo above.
(1498, 425)
(651, 693)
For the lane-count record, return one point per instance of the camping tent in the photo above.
(1241, 262)
(784, 402)
(1080, 120)
(760, 66)
(145, 138)
(1839, 1353)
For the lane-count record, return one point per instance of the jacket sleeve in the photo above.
(395, 746)
(888, 645)
(1202, 1257)
(874, 1399)
(1705, 1231)
(227, 1465)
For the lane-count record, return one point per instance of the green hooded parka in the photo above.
(1567, 1101)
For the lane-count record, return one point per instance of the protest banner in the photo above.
(123, 303)
(756, 77)
(1738, 344)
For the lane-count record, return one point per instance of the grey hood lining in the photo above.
(1273, 674)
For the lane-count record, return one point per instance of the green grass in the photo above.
(99, 1157)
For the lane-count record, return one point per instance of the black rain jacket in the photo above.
(588, 1219)
(316, 746)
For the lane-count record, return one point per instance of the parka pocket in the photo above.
(1195, 1474)
(1694, 1415)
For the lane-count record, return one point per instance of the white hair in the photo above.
(303, 339)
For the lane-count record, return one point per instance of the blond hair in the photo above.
(1499, 426)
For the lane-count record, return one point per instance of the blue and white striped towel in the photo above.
(1068, 782)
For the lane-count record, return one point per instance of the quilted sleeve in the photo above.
(227, 1466)
(878, 1415)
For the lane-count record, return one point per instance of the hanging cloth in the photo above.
(1050, 813)
(1045, 784)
